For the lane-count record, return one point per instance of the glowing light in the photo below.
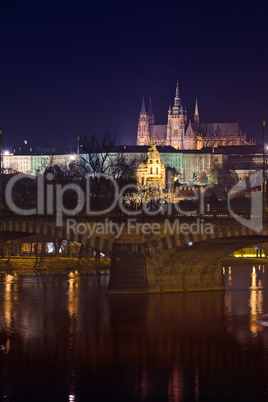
(255, 303)
(50, 247)
(190, 243)
(6, 152)
(249, 256)
(72, 157)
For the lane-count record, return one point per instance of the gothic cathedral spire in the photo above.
(143, 110)
(143, 133)
(151, 113)
(196, 114)
(177, 101)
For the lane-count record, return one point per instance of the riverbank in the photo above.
(51, 264)
(250, 260)
(24, 265)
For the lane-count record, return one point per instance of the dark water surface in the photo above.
(63, 339)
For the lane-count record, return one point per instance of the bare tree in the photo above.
(102, 158)
(47, 162)
(104, 162)
(98, 153)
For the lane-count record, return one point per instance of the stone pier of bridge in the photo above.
(134, 270)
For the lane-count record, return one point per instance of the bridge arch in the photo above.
(198, 267)
(178, 263)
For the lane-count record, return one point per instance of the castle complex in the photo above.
(193, 151)
(181, 134)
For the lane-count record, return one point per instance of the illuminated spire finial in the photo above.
(177, 101)
(196, 114)
(177, 90)
(143, 110)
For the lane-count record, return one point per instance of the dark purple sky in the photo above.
(82, 67)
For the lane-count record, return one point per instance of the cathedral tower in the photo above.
(143, 134)
(177, 120)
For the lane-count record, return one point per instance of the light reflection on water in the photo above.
(63, 338)
(254, 279)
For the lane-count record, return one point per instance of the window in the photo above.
(151, 170)
(157, 170)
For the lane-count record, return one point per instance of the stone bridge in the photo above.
(150, 255)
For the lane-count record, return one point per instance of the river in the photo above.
(63, 339)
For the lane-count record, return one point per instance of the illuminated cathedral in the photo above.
(183, 134)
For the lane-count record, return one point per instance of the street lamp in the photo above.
(0, 172)
(0, 152)
(264, 170)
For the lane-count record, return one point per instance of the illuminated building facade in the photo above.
(152, 171)
(192, 166)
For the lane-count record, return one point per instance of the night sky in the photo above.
(73, 68)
